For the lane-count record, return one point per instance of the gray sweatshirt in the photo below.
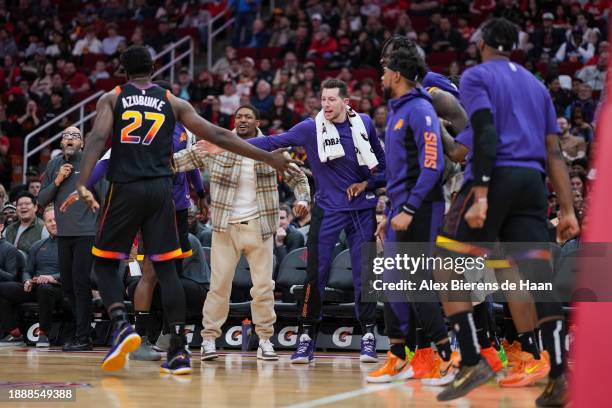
(78, 220)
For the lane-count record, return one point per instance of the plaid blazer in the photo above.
(224, 171)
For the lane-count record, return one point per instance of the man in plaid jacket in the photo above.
(244, 210)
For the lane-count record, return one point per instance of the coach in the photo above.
(76, 230)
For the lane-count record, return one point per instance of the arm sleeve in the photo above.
(195, 179)
(98, 173)
(426, 131)
(377, 178)
(48, 191)
(296, 136)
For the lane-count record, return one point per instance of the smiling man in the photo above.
(348, 164)
(76, 229)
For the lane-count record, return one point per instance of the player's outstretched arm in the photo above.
(224, 138)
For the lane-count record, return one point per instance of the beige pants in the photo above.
(226, 250)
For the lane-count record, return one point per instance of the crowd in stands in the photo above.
(53, 54)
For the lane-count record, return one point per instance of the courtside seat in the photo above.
(291, 275)
(337, 301)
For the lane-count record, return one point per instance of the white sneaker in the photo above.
(209, 350)
(265, 351)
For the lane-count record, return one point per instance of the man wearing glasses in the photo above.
(76, 229)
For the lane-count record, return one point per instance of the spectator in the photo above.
(572, 147)
(370, 9)
(602, 48)
(423, 7)
(58, 46)
(287, 237)
(281, 33)
(248, 75)
(245, 13)
(546, 38)
(482, 7)
(90, 44)
(55, 107)
(575, 48)
(9, 212)
(234, 71)
(595, 75)
(211, 111)
(263, 99)
(447, 38)
(230, 100)
(584, 102)
(111, 42)
(11, 261)
(222, 65)
(42, 85)
(3, 196)
(343, 57)
(185, 84)
(510, 10)
(99, 72)
(138, 39)
(164, 36)
(265, 71)
(380, 122)
(29, 120)
(203, 232)
(300, 43)
(30, 228)
(11, 70)
(6, 168)
(75, 81)
(260, 36)
(7, 44)
(561, 97)
(41, 283)
(580, 127)
(578, 181)
(323, 45)
(204, 87)
(465, 29)
(281, 116)
(290, 68)
(34, 187)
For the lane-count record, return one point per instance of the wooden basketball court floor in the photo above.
(234, 380)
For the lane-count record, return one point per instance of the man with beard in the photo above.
(244, 209)
(76, 229)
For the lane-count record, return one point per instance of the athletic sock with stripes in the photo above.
(465, 331)
(553, 337)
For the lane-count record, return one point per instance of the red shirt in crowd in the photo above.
(320, 47)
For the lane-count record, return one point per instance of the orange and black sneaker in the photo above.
(444, 371)
(394, 368)
(423, 363)
(513, 352)
(490, 354)
(528, 371)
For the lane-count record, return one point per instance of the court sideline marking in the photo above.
(345, 395)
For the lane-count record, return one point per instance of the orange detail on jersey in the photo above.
(183, 137)
(399, 124)
(431, 150)
(166, 256)
(136, 118)
(100, 253)
(158, 120)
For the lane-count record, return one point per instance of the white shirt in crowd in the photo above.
(229, 104)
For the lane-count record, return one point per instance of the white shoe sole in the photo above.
(404, 375)
(43, 345)
(368, 359)
(437, 382)
(260, 356)
(209, 357)
(22, 344)
(302, 360)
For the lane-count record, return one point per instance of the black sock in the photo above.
(118, 316)
(177, 340)
(465, 331)
(143, 323)
(553, 337)
(529, 344)
(411, 338)
(399, 350)
(481, 321)
(173, 294)
(444, 350)
(422, 339)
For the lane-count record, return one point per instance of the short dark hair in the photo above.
(33, 181)
(162, 83)
(285, 207)
(332, 83)
(408, 63)
(26, 194)
(136, 60)
(500, 34)
(251, 108)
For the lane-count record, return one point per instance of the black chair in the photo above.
(339, 293)
(291, 276)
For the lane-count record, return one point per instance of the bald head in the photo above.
(72, 141)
